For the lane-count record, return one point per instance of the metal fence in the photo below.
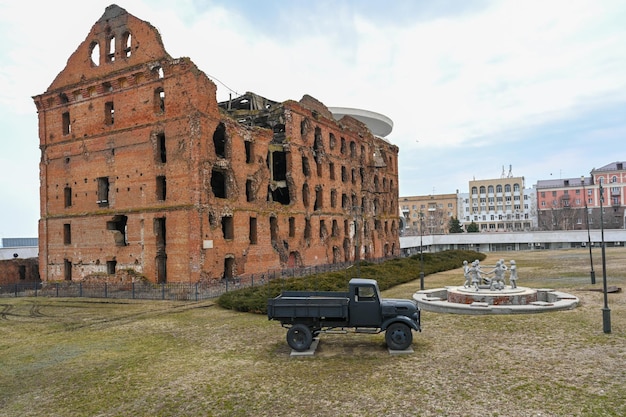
(166, 291)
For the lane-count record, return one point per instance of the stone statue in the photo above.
(466, 274)
(497, 283)
(475, 274)
(513, 275)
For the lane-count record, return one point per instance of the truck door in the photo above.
(365, 307)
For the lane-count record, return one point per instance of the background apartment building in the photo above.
(429, 214)
(567, 204)
(141, 169)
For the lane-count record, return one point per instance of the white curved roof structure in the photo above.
(379, 124)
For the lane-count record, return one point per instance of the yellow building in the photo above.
(434, 211)
(498, 205)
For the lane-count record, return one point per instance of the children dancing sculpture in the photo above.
(474, 278)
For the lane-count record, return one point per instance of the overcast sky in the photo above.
(472, 86)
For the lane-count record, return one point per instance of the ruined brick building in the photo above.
(142, 169)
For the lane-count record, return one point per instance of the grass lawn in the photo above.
(95, 357)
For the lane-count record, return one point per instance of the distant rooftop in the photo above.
(17, 242)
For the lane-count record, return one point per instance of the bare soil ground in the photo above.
(80, 357)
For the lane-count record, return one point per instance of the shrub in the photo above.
(388, 274)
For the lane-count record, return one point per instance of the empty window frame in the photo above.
(66, 123)
(111, 265)
(111, 49)
(228, 229)
(161, 188)
(319, 198)
(219, 141)
(292, 227)
(127, 41)
(117, 226)
(306, 170)
(109, 113)
(249, 151)
(94, 54)
(161, 151)
(67, 269)
(218, 184)
(253, 231)
(250, 194)
(160, 232)
(67, 197)
(273, 229)
(103, 192)
(159, 100)
(67, 234)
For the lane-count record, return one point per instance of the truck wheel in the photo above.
(398, 336)
(299, 337)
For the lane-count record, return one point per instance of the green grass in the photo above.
(88, 357)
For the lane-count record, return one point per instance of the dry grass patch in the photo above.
(69, 357)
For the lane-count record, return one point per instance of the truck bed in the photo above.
(331, 306)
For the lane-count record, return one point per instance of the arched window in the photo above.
(94, 52)
(490, 189)
(474, 190)
(516, 187)
(498, 188)
(507, 188)
(614, 178)
(482, 189)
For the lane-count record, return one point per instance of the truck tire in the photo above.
(299, 337)
(398, 336)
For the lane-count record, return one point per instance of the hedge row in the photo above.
(388, 274)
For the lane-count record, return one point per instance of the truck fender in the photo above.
(400, 319)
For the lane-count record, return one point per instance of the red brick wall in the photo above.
(127, 153)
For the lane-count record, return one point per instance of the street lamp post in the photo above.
(421, 251)
(606, 312)
(592, 272)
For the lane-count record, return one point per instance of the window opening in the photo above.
(67, 269)
(323, 232)
(305, 195)
(111, 267)
(161, 188)
(111, 49)
(307, 228)
(227, 227)
(249, 151)
(118, 227)
(319, 198)
(250, 195)
(159, 232)
(335, 228)
(218, 184)
(343, 146)
(273, 229)
(67, 196)
(292, 227)
(107, 87)
(352, 149)
(160, 148)
(333, 198)
(229, 267)
(253, 231)
(67, 234)
(159, 100)
(219, 140)
(332, 142)
(103, 192)
(94, 53)
(67, 126)
(127, 42)
(305, 167)
(109, 113)
(22, 272)
(279, 165)
(344, 174)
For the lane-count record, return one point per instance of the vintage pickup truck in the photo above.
(306, 314)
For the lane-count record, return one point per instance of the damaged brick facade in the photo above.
(142, 169)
